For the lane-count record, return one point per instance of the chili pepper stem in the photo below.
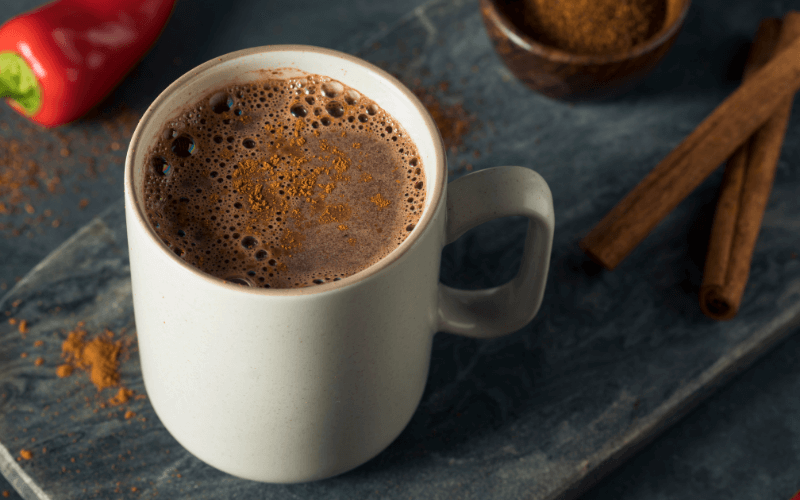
(18, 83)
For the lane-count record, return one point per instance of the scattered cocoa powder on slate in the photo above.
(98, 356)
(63, 371)
(453, 121)
(121, 397)
(17, 171)
(34, 160)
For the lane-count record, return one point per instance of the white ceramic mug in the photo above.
(290, 385)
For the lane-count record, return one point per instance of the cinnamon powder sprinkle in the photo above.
(336, 213)
(129, 414)
(20, 173)
(25, 454)
(32, 164)
(122, 397)
(39, 361)
(23, 327)
(63, 371)
(99, 357)
(453, 121)
(380, 201)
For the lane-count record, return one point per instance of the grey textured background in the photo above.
(745, 442)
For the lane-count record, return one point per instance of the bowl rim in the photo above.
(493, 14)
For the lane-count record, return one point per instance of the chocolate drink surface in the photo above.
(284, 183)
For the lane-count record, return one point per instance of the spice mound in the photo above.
(99, 356)
(588, 26)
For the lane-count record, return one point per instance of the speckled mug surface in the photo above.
(292, 385)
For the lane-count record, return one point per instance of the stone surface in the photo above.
(743, 443)
(611, 360)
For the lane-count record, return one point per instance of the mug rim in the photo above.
(435, 195)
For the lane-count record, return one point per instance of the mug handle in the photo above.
(480, 197)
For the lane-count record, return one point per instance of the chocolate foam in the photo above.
(284, 183)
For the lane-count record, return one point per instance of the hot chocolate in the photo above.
(284, 183)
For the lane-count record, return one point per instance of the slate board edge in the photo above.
(94, 225)
(682, 402)
(22, 482)
(16, 476)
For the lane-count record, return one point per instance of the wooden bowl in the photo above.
(576, 77)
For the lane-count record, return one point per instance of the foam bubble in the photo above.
(183, 146)
(160, 166)
(335, 109)
(220, 102)
(332, 89)
(299, 110)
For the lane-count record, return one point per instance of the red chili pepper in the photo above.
(60, 60)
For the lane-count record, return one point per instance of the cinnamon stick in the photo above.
(711, 143)
(745, 189)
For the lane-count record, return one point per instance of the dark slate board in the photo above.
(611, 360)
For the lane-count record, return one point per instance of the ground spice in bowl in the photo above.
(588, 26)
